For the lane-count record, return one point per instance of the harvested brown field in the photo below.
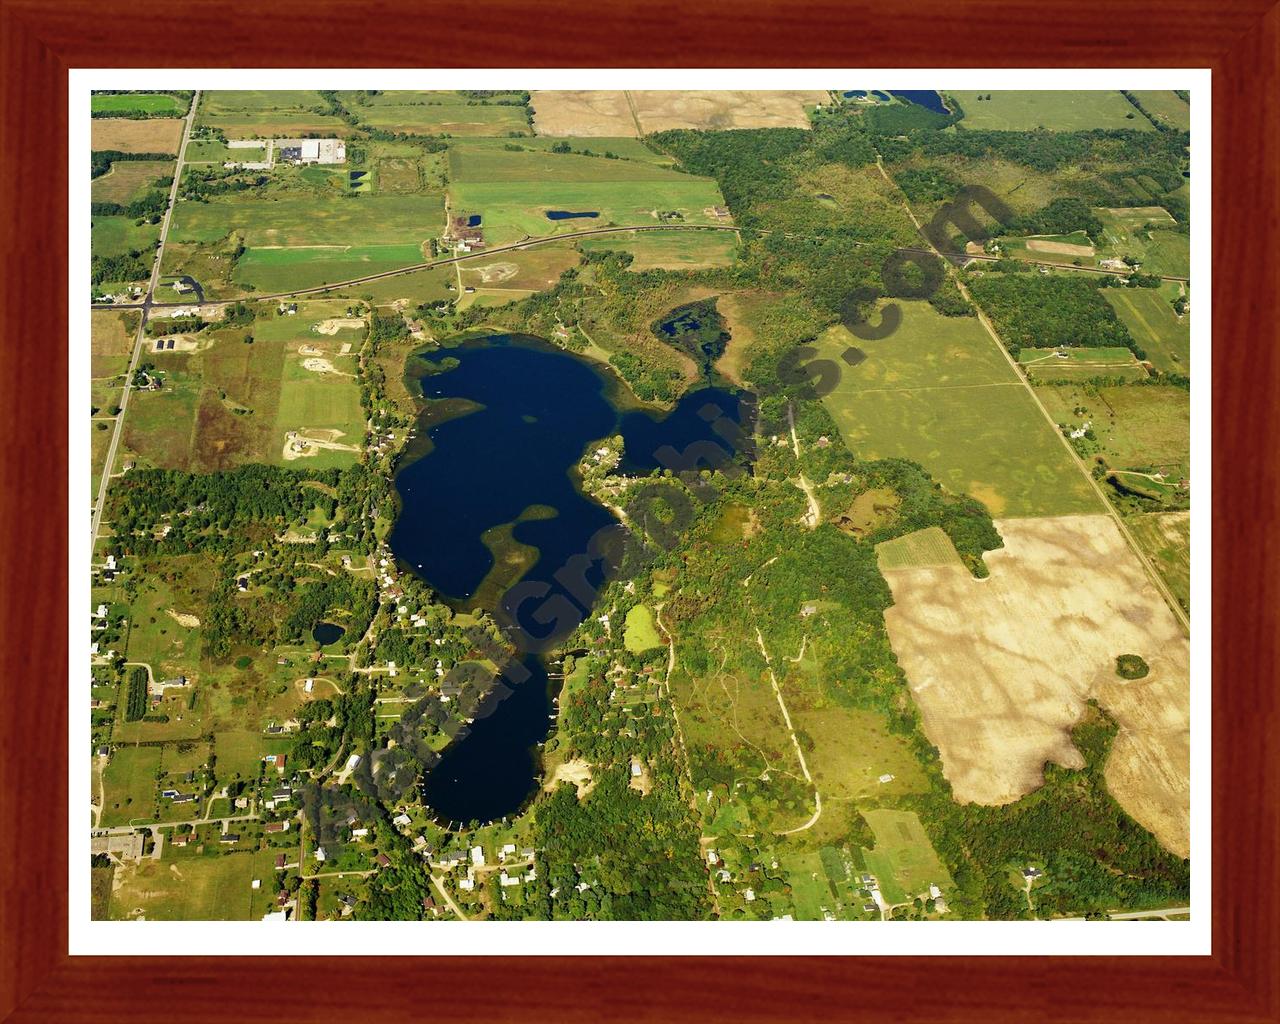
(583, 112)
(111, 341)
(716, 109)
(1001, 668)
(154, 135)
(1061, 248)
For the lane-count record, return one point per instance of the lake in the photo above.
(570, 215)
(927, 98)
(326, 633)
(508, 418)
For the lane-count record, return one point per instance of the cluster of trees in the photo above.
(100, 160)
(135, 706)
(353, 594)
(1050, 311)
(133, 265)
(1059, 217)
(199, 184)
(175, 325)
(149, 206)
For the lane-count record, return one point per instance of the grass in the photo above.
(671, 250)
(1149, 315)
(212, 151)
(939, 392)
(111, 343)
(1135, 426)
(513, 210)
(268, 113)
(641, 633)
(1024, 109)
(622, 147)
(129, 786)
(1077, 364)
(147, 102)
(1145, 233)
(471, 164)
(435, 113)
(239, 754)
(374, 220)
(185, 885)
(921, 549)
(903, 859)
(113, 236)
(314, 401)
(276, 270)
(1166, 539)
(1166, 106)
(128, 179)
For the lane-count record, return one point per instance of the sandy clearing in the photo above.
(339, 323)
(576, 771)
(303, 444)
(190, 621)
(318, 365)
(494, 272)
(1061, 248)
(1001, 668)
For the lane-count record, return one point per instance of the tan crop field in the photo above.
(154, 135)
(586, 112)
(720, 109)
(1001, 668)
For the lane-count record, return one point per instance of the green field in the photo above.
(1076, 364)
(1064, 111)
(128, 179)
(938, 391)
(277, 270)
(624, 148)
(903, 859)
(268, 113)
(1166, 106)
(670, 250)
(1135, 427)
(515, 209)
(1166, 539)
(1158, 248)
(435, 113)
(189, 886)
(641, 633)
(147, 102)
(288, 221)
(112, 236)
(1149, 315)
(129, 786)
(472, 164)
(212, 151)
(926, 548)
(239, 754)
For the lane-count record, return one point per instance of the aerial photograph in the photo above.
(517, 505)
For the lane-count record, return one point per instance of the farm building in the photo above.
(312, 151)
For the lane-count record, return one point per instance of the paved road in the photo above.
(141, 340)
(568, 237)
(1136, 915)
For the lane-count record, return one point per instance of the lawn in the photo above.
(1063, 111)
(1166, 539)
(239, 754)
(513, 210)
(671, 250)
(1149, 315)
(212, 151)
(313, 401)
(129, 785)
(146, 102)
(938, 391)
(128, 179)
(1166, 106)
(903, 859)
(641, 633)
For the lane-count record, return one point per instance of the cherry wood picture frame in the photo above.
(1239, 41)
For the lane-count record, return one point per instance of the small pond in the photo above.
(326, 633)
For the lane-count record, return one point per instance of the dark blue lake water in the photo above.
(327, 633)
(570, 214)
(524, 412)
(928, 98)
